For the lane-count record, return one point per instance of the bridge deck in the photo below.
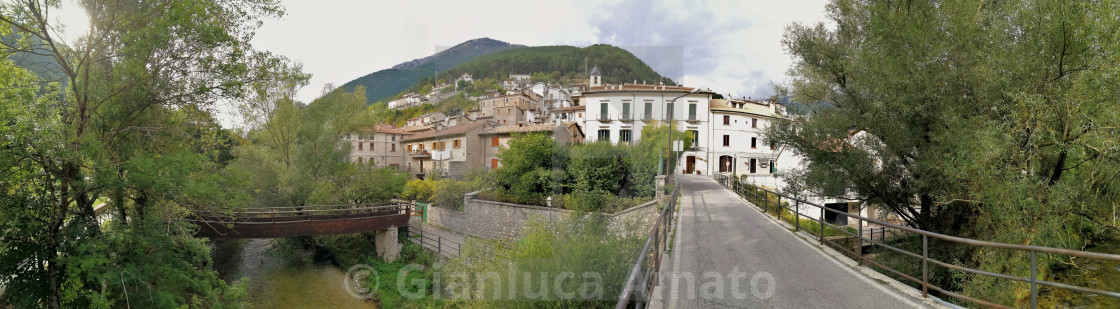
(282, 222)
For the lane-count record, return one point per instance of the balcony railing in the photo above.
(626, 118)
(420, 153)
(604, 118)
(692, 118)
(647, 117)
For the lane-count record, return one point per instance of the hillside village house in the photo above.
(424, 122)
(617, 113)
(495, 138)
(448, 150)
(379, 146)
(508, 109)
(737, 146)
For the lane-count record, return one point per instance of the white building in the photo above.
(738, 147)
(617, 113)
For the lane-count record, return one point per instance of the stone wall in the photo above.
(496, 220)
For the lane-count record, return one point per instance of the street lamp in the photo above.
(548, 201)
(669, 150)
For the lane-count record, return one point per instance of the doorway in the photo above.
(689, 164)
(754, 166)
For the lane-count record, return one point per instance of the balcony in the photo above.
(647, 117)
(604, 118)
(692, 118)
(626, 118)
(420, 153)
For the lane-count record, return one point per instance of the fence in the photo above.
(1033, 251)
(440, 245)
(658, 240)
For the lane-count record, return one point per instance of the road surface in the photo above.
(738, 258)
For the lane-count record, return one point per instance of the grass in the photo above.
(419, 281)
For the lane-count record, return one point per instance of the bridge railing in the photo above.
(766, 196)
(643, 275)
(300, 213)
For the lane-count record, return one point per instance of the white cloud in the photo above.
(729, 46)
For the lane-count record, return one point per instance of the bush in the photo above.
(581, 246)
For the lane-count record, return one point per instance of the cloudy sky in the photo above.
(731, 46)
(728, 46)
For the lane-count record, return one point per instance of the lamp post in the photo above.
(669, 151)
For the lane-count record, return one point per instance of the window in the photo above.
(494, 141)
(360, 146)
(603, 111)
(499, 112)
(580, 115)
(393, 147)
(455, 144)
(754, 142)
(695, 136)
(435, 146)
(359, 160)
(726, 120)
(773, 168)
(649, 110)
(420, 145)
(624, 136)
(726, 140)
(692, 111)
(409, 148)
(493, 163)
(604, 135)
(754, 122)
(393, 136)
(669, 111)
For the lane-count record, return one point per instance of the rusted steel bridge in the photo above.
(295, 221)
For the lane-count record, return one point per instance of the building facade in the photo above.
(449, 151)
(379, 146)
(738, 146)
(617, 113)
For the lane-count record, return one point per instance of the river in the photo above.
(277, 281)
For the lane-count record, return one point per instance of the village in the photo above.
(727, 133)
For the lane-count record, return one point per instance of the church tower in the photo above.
(596, 78)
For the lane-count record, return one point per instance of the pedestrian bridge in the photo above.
(296, 221)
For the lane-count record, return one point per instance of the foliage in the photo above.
(598, 259)
(616, 65)
(446, 192)
(384, 84)
(986, 120)
(415, 269)
(591, 177)
(123, 124)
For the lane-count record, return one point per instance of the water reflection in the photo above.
(276, 281)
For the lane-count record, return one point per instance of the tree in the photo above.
(127, 130)
(990, 120)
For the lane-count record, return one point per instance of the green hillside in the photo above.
(387, 83)
(562, 62)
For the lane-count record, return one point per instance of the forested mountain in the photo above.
(616, 65)
(387, 83)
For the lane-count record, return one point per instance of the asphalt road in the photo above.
(739, 259)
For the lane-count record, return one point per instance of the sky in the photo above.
(731, 47)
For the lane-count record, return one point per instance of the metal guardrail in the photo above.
(435, 243)
(269, 215)
(658, 240)
(760, 193)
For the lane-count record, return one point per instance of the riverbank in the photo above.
(283, 278)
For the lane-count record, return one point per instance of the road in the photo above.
(741, 259)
